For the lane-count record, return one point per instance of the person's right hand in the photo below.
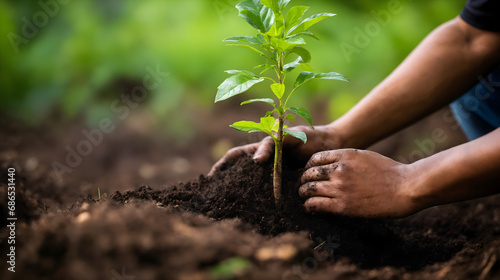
(319, 139)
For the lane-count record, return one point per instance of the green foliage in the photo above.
(297, 134)
(267, 125)
(265, 100)
(303, 113)
(230, 268)
(278, 37)
(101, 44)
(307, 76)
(308, 22)
(278, 89)
(236, 84)
(256, 14)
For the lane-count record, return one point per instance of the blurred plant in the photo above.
(230, 268)
(104, 196)
(279, 37)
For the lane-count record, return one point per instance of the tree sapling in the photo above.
(278, 38)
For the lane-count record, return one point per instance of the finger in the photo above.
(264, 150)
(319, 204)
(323, 158)
(321, 188)
(232, 155)
(318, 173)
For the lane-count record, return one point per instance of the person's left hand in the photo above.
(357, 183)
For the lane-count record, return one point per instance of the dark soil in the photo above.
(196, 229)
(244, 190)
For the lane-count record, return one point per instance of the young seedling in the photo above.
(280, 40)
(105, 195)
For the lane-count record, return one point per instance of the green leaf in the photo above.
(249, 39)
(273, 4)
(235, 85)
(302, 52)
(268, 48)
(247, 126)
(267, 123)
(303, 113)
(256, 14)
(269, 113)
(308, 22)
(265, 100)
(306, 76)
(279, 44)
(248, 47)
(242, 72)
(294, 15)
(332, 76)
(292, 65)
(284, 45)
(276, 29)
(278, 90)
(295, 40)
(261, 38)
(283, 3)
(297, 134)
(306, 67)
(276, 5)
(276, 126)
(290, 117)
(309, 33)
(303, 77)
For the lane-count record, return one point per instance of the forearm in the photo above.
(444, 66)
(468, 171)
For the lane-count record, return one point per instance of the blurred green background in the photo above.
(82, 55)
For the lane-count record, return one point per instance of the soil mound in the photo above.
(243, 190)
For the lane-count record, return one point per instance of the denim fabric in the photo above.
(478, 110)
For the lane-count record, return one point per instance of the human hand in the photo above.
(318, 139)
(357, 183)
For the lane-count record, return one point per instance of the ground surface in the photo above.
(221, 227)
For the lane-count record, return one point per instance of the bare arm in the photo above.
(444, 66)
(468, 171)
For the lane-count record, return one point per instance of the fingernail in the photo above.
(256, 157)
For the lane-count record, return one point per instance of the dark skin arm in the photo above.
(444, 66)
(440, 69)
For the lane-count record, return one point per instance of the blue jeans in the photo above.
(478, 110)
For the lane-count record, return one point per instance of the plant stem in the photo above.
(278, 165)
(278, 146)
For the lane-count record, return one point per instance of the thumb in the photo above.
(264, 150)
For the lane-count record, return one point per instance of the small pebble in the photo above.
(83, 217)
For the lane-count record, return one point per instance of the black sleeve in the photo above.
(483, 14)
